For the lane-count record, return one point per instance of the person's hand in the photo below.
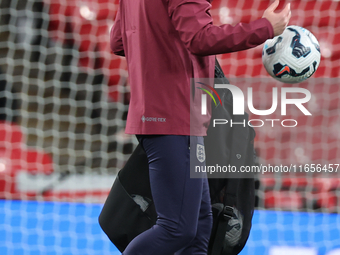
(280, 20)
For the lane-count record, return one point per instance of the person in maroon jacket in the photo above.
(166, 43)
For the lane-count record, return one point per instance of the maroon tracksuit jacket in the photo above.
(166, 43)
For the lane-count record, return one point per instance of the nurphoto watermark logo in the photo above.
(239, 104)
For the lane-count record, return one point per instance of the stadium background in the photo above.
(63, 104)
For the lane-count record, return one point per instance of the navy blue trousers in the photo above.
(182, 203)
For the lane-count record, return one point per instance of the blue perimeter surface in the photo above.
(51, 228)
(319, 231)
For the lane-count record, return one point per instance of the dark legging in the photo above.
(182, 203)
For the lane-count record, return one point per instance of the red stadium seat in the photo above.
(297, 192)
(286, 200)
(10, 135)
(15, 157)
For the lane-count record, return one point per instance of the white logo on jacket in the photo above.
(153, 119)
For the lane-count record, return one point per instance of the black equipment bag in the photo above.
(129, 209)
(122, 218)
(232, 197)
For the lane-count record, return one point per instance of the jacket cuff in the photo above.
(266, 23)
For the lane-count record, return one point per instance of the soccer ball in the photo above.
(293, 56)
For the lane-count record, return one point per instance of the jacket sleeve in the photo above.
(116, 41)
(192, 20)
